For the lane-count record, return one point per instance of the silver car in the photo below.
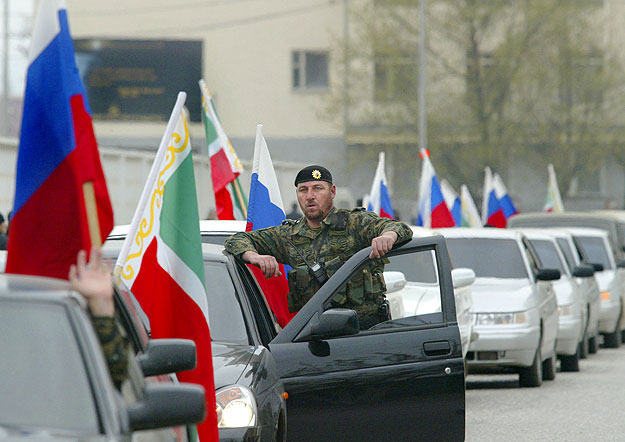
(598, 250)
(587, 284)
(514, 303)
(572, 312)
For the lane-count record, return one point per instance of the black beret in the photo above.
(313, 173)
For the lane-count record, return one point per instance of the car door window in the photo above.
(265, 321)
(595, 250)
(224, 311)
(46, 381)
(567, 252)
(548, 255)
(410, 286)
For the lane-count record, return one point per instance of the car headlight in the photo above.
(500, 318)
(566, 310)
(236, 407)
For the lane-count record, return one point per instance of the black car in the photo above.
(401, 380)
(56, 384)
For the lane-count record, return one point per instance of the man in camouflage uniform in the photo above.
(316, 245)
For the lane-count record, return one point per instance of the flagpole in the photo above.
(237, 190)
(91, 208)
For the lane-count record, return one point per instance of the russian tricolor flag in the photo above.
(265, 209)
(433, 211)
(492, 211)
(58, 164)
(379, 199)
(504, 198)
(452, 199)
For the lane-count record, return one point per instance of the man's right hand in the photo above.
(267, 263)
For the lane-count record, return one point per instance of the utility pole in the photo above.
(423, 134)
(346, 73)
(4, 112)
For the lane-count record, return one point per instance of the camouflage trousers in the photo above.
(368, 314)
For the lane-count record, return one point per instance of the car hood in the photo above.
(229, 362)
(19, 434)
(502, 295)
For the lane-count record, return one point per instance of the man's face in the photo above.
(316, 199)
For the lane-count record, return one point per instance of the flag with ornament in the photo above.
(553, 200)
(225, 164)
(161, 258)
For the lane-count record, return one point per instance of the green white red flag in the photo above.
(225, 164)
(553, 200)
(161, 258)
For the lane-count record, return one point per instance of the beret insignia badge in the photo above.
(316, 174)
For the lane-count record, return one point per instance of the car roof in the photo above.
(420, 232)
(113, 246)
(36, 288)
(587, 231)
(618, 214)
(565, 215)
(206, 226)
(479, 232)
(536, 234)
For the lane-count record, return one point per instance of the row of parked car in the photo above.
(461, 299)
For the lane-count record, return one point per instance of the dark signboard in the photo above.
(139, 79)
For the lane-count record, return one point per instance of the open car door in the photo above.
(402, 379)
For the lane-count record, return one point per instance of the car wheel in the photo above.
(549, 367)
(532, 376)
(613, 340)
(593, 344)
(570, 362)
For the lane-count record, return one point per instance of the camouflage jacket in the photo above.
(115, 346)
(342, 233)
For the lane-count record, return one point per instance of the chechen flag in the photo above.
(433, 211)
(507, 206)
(60, 190)
(379, 199)
(453, 201)
(161, 258)
(553, 200)
(470, 215)
(265, 209)
(225, 164)
(492, 212)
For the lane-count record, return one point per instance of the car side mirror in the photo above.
(597, 266)
(548, 274)
(168, 406)
(395, 281)
(583, 271)
(462, 277)
(163, 356)
(331, 324)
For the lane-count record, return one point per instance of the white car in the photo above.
(514, 303)
(414, 290)
(572, 312)
(598, 251)
(587, 284)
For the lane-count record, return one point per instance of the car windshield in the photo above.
(565, 246)
(548, 254)
(416, 267)
(224, 311)
(595, 251)
(45, 382)
(488, 257)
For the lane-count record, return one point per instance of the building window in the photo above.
(310, 70)
(395, 76)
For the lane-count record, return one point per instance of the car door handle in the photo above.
(437, 348)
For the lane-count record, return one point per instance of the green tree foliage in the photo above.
(529, 80)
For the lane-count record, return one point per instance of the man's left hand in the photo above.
(382, 244)
(93, 281)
